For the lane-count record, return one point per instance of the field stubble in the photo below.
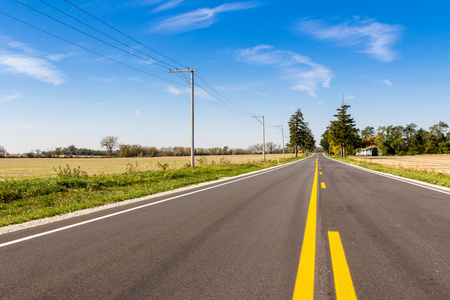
(17, 168)
(430, 163)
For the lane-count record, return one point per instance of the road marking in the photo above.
(322, 184)
(304, 284)
(320, 173)
(139, 207)
(342, 279)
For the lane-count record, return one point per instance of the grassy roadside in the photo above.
(432, 177)
(23, 200)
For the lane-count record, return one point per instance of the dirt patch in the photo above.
(437, 163)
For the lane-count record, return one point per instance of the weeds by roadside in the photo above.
(72, 189)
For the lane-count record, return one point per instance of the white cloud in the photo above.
(58, 57)
(200, 18)
(9, 97)
(137, 113)
(305, 74)
(19, 58)
(387, 82)
(31, 66)
(349, 97)
(176, 91)
(373, 37)
(261, 94)
(168, 5)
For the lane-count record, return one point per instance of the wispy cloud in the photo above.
(9, 97)
(58, 57)
(305, 74)
(372, 37)
(176, 91)
(137, 113)
(168, 5)
(386, 82)
(19, 58)
(31, 66)
(200, 18)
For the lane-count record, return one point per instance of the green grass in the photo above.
(23, 200)
(432, 177)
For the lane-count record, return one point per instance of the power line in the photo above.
(124, 34)
(89, 50)
(209, 100)
(233, 108)
(87, 34)
(114, 39)
(222, 104)
(239, 108)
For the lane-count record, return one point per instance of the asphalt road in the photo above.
(242, 239)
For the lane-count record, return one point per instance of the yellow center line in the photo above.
(322, 184)
(342, 278)
(304, 284)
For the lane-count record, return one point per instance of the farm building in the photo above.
(366, 151)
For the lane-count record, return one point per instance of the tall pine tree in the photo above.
(297, 131)
(343, 131)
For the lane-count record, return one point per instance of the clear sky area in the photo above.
(72, 72)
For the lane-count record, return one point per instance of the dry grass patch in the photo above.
(16, 168)
(439, 163)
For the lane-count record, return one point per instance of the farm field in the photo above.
(437, 163)
(15, 168)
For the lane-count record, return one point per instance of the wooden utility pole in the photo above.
(264, 134)
(191, 82)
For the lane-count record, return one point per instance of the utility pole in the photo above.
(191, 82)
(282, 135)
(264, 134)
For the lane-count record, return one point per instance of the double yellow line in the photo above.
(304, 284)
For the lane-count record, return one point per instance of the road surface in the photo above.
(254, 237)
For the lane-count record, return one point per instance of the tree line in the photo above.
(301, 139)
(114, 149)
(342, 137)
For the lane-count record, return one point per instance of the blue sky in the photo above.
(389, 58)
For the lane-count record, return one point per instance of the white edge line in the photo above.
(426, 185)
(142, 206)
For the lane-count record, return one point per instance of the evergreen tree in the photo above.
(343, 131)
(297, 131)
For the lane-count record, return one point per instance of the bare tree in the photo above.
(110, 143)
(271, 146)
(3, 152)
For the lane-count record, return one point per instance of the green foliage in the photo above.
(398, 140)
(69, 172)
(163, 166)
